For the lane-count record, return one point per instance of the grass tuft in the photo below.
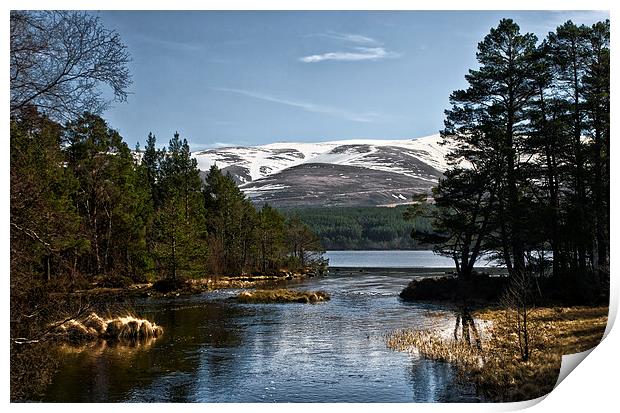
(282, 296)
(119, 328)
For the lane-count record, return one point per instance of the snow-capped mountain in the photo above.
(347, 172)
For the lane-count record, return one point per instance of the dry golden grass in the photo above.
(207, 284)
(190, 286)
(497, 369)
(282, 296)
(430, 344)
(94, 327)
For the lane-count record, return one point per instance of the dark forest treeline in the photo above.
(362, 228)
(529, 176)
(84, 208)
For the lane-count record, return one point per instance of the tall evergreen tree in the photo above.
(489, 121)
(597, 106)
(151, 160)
(270, 234)
(45, 227)
(111, 198)
(569, 52)
(231, 221)
(179, 228)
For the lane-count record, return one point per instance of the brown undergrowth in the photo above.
(496, 369)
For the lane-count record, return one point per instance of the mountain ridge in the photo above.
(356, 172)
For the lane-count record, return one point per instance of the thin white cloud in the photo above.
(360, 47)
(306, 106)
(558, 17)
(360, 53)
(350, 38)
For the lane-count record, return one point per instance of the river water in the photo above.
(398, 259)
(216, 350)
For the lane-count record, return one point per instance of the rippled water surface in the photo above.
(215, 350)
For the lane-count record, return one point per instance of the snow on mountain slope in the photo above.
(389, 171)
(264, 160)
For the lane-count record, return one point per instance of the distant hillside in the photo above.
(361, 228)
(337, 173)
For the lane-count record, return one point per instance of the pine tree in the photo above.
(270, 234)
(45, 232)
(304, 246)
(547, 144)
(488, 122)
(569, 52)
(231, 221)
(111, 198)
(151, 161)
(179, 228)
(597, 106)
(461, 219)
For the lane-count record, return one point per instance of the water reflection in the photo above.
(123, 348)
(217, 350)
(468, 328)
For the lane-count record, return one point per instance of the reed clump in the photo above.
(431, 345)
(282, 296)
(95, 327)
(496, 367)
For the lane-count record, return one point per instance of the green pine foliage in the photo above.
(45, 225)
(270, 233)
(179, 236)
(362, 228)
(109, 197)
(231, 221)
(529, 173)
(243, 239)
(87, 210)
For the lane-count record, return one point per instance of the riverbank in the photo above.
(479, 289)
(190, 286)
(496, 368)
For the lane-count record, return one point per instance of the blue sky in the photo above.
(249, 78)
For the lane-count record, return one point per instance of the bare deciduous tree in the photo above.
(59, 60)
(517, 302)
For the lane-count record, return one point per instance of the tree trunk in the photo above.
(174, 258)
(48, 269)
(579, 186)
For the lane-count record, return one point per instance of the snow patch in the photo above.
(265, 160)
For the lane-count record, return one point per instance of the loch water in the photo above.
(217, 350)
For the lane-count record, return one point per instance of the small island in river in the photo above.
(282, 296)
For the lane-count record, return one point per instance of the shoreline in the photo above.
(495, 368)
(193, 286)
(190, 286)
